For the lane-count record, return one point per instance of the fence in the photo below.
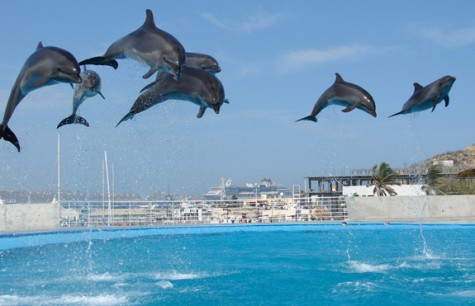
(152, 213)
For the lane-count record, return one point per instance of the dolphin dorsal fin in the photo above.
(338, 78)
(40, 45)
(149, 19)
(417, 86)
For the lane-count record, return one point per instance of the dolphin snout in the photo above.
(76, 78)
(448, 79)
(215, 69)
(372, 112)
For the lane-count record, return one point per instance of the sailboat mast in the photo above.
(108, 190)
(59, 170)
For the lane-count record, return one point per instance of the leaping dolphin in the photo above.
(90, 87)
(46, 66)
(202, 61)
(195, 85)
(346, 94)
(429, 96)
(148, 45)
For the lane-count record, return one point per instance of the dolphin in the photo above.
(202, 61)
(429, 96)
(346, 94)
(148, 45)
(46, 66)
(195, 60)
(90, 87)
(195, 85)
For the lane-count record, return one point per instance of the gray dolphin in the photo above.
(90, 87)
(346, 94)
(148, 45)
(46, 66)
(202, 61)
(195, 85)
(429, 96)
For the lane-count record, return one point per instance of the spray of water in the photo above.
(426, 251)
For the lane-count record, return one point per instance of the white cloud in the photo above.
(450, 38)
(257, 21)
(299, 59)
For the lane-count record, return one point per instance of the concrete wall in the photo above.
(457, 209)
(29, 217)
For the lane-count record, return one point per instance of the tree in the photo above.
(383, 176)
(433, 184)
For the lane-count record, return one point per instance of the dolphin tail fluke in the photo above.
(309, 118)
(73, 119)
(400, 113)
(100, 60)
(9, 136)
(126, 117)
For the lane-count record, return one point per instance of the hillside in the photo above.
(462, 159)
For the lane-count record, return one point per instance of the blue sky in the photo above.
(277, 58)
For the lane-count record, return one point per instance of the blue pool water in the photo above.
(300, 264)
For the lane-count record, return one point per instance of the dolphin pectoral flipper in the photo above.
(446, 99)
(434, 103)
(73, 119)
(100, 60)
(151, 71)
(9, 136)
(349, 108)
(201, 112)
(100, 93)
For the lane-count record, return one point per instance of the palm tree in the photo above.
(383, 176)
(433, 184)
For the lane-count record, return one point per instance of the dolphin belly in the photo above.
(339, 102)
(193, 98)
(421, 107)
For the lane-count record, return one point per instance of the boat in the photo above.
(266, 189)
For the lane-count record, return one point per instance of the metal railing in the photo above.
(152, 213)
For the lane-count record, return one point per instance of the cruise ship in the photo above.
(266, 189)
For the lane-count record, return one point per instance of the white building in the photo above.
(401, 190)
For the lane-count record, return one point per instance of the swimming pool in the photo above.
(297, 264)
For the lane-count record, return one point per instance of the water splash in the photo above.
(165, 284)
(348, 256)
(90, 260)
(361, 267)
(426, 251)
